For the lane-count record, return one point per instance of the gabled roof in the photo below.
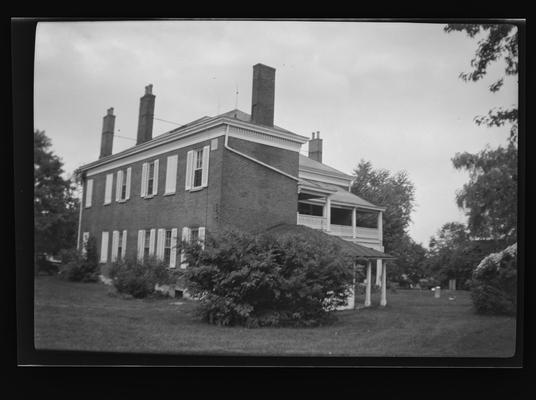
(353, 249)
(309, 164)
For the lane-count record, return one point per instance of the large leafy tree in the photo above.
(55, 206)
(490, 197)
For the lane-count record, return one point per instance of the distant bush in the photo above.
(494, 283)
(428, 283)
(262, 280)
(139, 279)
(78, 267)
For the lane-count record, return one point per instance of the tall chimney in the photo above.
(315, 147)
(145, 121)
(107, 139)
(262, 98)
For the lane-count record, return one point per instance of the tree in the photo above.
(500, 41)
(490, 196)
(55, 207)
(394, 192)
(410, 263)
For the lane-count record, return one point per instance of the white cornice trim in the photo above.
(314, 176)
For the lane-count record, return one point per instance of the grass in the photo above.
(82, 316)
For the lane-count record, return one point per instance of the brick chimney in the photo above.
(145, 121)
(107, 139)
(262, 98)
(315, 147)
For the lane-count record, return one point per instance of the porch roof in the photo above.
(353, 249)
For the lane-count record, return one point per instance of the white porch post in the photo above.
(378, 281)
(383, 300)
(380, 227)
(327, 213)
(369, 278)
(354, 219)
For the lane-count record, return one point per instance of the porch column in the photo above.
(378, 281)
(327, 213)
(383, 300)
(369, 278)
(380, 227)
(354, 219)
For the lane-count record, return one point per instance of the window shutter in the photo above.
(85, 238)
(206, 157)
(127, 191)
(118, 185)
(189, 169)
(115, 245)
(151, 242)
(141, 244)
(144, 180)
(104, 248)
(89, 192)
(171, 174)
(202, 236)
(155, 177)
(173, 250)
(108, 189)
(124, 245)
(160, 244)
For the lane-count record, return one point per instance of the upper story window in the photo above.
(149, 179)
(122, 191)
(197, 167)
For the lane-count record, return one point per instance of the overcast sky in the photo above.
(388, 93)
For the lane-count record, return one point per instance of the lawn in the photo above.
(78, 316)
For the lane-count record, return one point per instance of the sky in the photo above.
(388, 93)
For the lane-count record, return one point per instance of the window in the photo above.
(120, 245)
(167, 247)
(122, 190)
(149, 179)
(85, 238)
(310, 209)
(147, 245)
(197, 168)
(194, 235)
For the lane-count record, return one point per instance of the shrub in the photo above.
(493, 286)
(262, 280)
(78, 267)
(139, 279)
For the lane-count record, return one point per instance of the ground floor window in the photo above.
(147, 244)
(167, 247)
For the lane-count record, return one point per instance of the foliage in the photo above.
(500, 42)
(139, 279)
(490, 196)
(55, 207)
(410, 263)
(264, 280)
(395, 192)
(78, 267)
(493, 288)
(453, 254)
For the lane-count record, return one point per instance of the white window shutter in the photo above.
(173, 250)
(202, 236)
(160, 244)
(124, 245)
(108, 188)
(89, 192)
(85, 238)
(118, 185)
(144, 180)
(141, 244)
(115, 245)
(155, 177)
(171, 174)
(104, 248)
(151, 242)
(189, 169)
(127, 191)
(204, 174)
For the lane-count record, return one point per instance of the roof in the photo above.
(350, 248)
(310, 164)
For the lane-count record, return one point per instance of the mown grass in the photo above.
(77, 316)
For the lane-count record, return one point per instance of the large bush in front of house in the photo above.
(263, 280)
(138, 279)
(494, 283)
(78, 267)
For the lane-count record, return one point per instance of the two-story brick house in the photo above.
(233, 170)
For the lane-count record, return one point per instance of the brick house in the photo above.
(233, 170)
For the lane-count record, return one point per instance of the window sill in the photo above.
(197, 189)
(149, 196)
(107, 204)
(169, 194)
(122, 201)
